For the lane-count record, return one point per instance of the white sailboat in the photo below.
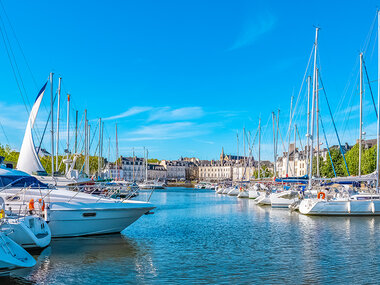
(69, 213)
(355, 205)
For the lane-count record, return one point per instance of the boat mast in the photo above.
(259, 169)
(317, 118)
(361, 114)
(133, 167)
(86, 135)
(308, 123)
(290, 124)
(378, 102)
(277, 130)
(313, 110)
(76, 132)
(117, 155)
(274, 146)
(58, 113)
(52, 124)
(68, 131)
(237, 157)
(100, 142)
(294, 151)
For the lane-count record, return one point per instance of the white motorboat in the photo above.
(151, 185)
(13, 256)
(28, 231)
(234, 191)
(226, 190)
(243, 194)
(69, 213)
(356, 205)
(283, 199)
(263, 199)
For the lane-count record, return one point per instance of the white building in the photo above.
(175, 169)
(214, 171)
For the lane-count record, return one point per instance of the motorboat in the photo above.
(226, 190)
(243, 193)
(234, 191)
(263, 199)
(69, 213)
(283, 199)
(151, 185)
(12, 255)
(28, 231)
(356, 205)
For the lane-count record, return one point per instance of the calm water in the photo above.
(198, 236)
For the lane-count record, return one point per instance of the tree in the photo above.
(369, 160)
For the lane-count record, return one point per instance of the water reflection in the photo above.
(202, 237)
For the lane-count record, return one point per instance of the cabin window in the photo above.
(86, 215)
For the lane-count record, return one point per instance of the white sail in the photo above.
(28, 160)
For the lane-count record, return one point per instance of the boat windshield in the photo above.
(21, 181)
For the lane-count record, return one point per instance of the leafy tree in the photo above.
(369, 160)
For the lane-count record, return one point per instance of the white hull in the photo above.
(283, 199)
(28, 232)
(253, 194)
(243, 194)
(13, 256)
(339, 208)
(70, 222)
(233, 192)
(263, 200)
(82, 214)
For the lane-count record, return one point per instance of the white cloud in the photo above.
(168, 114)
(253, 29)
(130, 112)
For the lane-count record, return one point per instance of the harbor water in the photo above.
(198, 236)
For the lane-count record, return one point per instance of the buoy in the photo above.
(321, 195)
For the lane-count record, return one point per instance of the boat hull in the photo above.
(339, 208)
(69, 222)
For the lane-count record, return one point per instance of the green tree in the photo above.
(369, 160)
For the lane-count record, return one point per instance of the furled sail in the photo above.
(28, 160)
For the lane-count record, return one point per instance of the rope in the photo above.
(332, 119)
(327, 145)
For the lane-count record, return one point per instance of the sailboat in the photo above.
(69, 213)
(346, 204)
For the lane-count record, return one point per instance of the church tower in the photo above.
(222, 156)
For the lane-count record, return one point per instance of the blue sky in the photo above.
(182, 77)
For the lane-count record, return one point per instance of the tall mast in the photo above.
(378, 102)
(290, 124)
(58, 113)
(101, 147)
(133, 167)
(237, 157)
(308, 123)
(100, 143)
(361, 114)
(86, 135)
(259, 168)
(313, 109)
(68, 131)
(294, 151)
(117, 154)
(52, 124)
(88, 148)
(274, 146)
(277, 130)
(317, 119)
(244, 146)
(76, 132)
